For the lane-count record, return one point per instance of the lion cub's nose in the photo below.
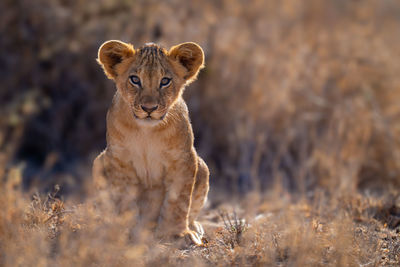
(149, 108)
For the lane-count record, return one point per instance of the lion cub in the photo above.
(150, 155)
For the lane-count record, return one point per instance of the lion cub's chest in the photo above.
(147, 155)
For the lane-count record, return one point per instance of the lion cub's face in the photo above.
(150, 78)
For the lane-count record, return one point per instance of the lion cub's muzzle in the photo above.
(150, 111)
(149, 108)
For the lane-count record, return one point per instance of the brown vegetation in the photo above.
(296, 112)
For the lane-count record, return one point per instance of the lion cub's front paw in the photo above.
(192, 238)
(183, 239)
(198, 228)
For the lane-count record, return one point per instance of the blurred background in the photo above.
(296, 95)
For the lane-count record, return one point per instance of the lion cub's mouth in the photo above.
(149, 118)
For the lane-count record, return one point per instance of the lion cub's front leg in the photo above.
(174, 216)
(115, 187)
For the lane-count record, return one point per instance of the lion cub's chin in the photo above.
(148, 121)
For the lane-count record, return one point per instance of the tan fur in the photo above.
(150, 157)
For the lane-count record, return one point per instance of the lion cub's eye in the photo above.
(134, 80)
(165, 82)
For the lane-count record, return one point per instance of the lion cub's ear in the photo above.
(111, 53)
(190, 56)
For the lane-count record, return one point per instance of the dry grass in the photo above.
(275, 230)
(296, 113)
